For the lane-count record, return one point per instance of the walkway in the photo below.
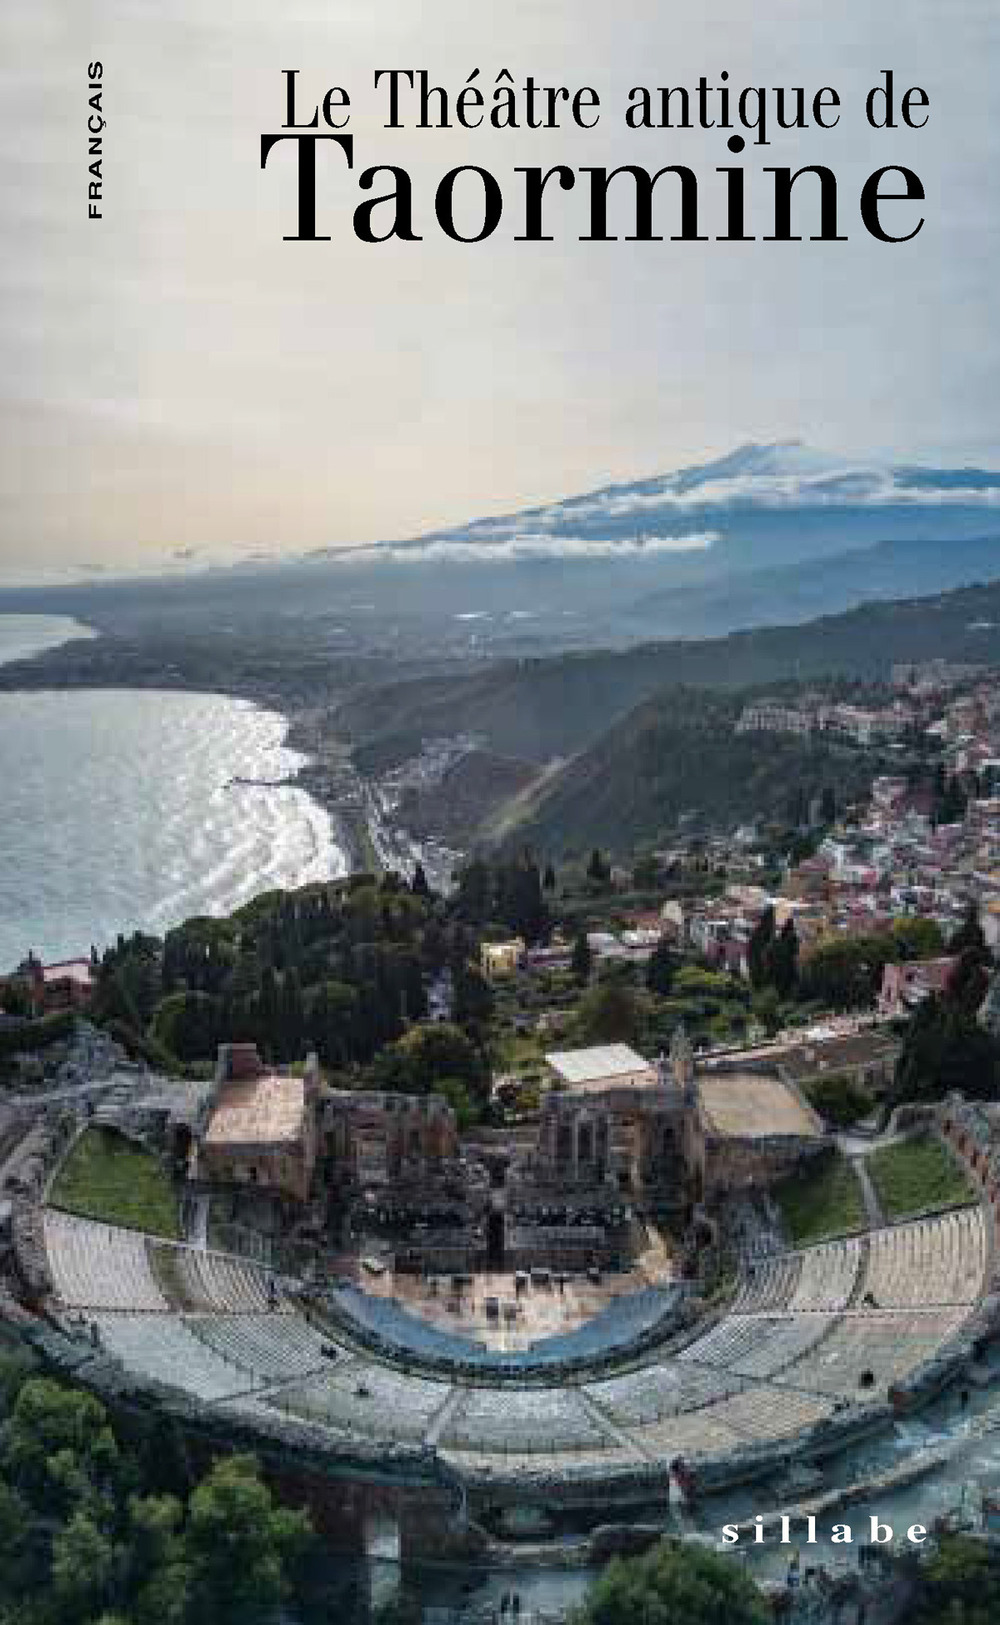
(198, 1235)
(873, 1207)
(80, 1091)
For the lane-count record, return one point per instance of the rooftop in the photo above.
(748, 1105)
(266, 1110)
(68, 970)
(597, 1065)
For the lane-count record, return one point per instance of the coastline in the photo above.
(340, 846)
(306, 697)
(96, 661)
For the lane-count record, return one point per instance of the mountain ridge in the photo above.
(556, 706)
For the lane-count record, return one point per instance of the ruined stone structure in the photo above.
(618, 1139)
(372, 1414)
(747, 1129)
(374, 1140)
(972, 1129)
(662, 1135)
(258, 1127)
(393, 1176)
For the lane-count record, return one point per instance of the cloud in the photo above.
(524, 547)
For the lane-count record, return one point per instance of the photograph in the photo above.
(500, 866)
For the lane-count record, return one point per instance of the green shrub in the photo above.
(841, 1100)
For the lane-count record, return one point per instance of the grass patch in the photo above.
(106, 1177)
(917, 1176)
(822, 1199)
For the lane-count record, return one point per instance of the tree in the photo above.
(661, 969)
(15, 999)
(917, 938)
(83, 1540)
(949, 802)
(291, 1024)
(759, 949)
(959, 1584)
(549, 878)
(331, 1011)
(157, 1572)
(57, 1440)
(783, 960)
(846, 972)
(85, 1569)
(674, 1582)
(766, 1009)
(457, 1096)
(968, 982)
(839, 1099)
(582, 958)
(519, 900)
(801, 846)
(970, 978)
(239, 1546)
(419, 885)
(427, 1053)
(474, 895)
(18, 1561)
(188, 1025)
(474, 998)
(136, 965)
(645, 873)
(598, 869)
(609, 1013)
(969, 934)
(944, 1048)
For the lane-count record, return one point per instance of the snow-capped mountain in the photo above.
(766, 534)
(756, 495)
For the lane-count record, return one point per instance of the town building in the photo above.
(907, 985)
(500, 959)
(67, 984)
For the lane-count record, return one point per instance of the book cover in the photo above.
(500, 732)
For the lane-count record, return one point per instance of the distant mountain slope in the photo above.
(538, 709)
(764, 535)
(819, 587)
(757, 506)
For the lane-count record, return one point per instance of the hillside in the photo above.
(467, 793)
(822, 586)
(538, 709)
(676, 755)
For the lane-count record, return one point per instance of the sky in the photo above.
(179, 384)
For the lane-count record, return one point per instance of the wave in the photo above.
(93, 844)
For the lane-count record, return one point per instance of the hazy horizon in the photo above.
(180, 385)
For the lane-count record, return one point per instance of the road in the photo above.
(78, 1091)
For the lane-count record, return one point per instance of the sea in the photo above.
(133, 809)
